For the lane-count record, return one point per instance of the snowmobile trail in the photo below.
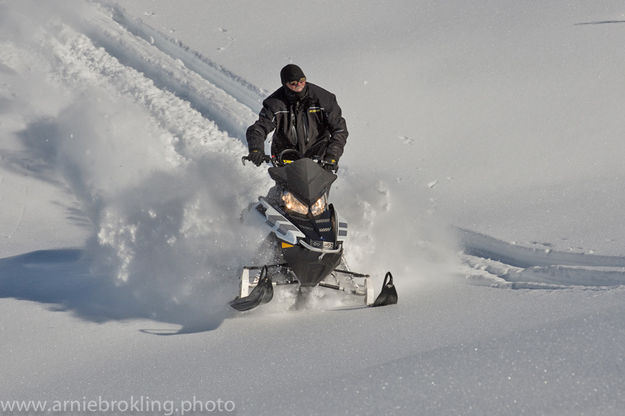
(82, 64)
(497, 263)
(211, 89)
(132, 63)
(234, 85)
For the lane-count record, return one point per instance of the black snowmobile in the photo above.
(305, 245)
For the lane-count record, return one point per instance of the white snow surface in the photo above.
(483, 168)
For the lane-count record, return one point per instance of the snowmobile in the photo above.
(305, 243)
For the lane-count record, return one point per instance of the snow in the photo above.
(483, 168)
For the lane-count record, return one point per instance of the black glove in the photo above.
(330, 163)
(256, 157)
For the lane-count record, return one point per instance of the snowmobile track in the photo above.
(233, 84)
(210, 89)
(496, 263)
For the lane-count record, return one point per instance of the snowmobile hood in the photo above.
(304, 178)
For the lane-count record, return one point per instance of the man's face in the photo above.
(297, 86)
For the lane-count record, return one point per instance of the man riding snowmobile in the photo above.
(305, 117)
(305, 243)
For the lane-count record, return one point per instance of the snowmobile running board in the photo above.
(263, 291)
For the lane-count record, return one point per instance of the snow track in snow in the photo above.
(167, 65)
(235, 86)
(497, 263)
(87, 65)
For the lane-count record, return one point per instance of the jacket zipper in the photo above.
(293, 129)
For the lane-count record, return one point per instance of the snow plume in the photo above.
(167, 228)
(163, 187)
(176, 240)
(393, 228)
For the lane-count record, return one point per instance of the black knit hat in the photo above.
(290, 73)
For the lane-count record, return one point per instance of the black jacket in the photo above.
(312, 124)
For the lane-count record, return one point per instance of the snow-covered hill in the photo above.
(482, 169)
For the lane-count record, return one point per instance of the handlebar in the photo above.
(280, 161)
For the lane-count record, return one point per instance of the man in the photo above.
(305, 118)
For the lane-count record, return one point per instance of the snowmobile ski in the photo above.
(388, 295)
(262, 293)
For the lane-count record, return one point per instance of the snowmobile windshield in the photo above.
(304, 178)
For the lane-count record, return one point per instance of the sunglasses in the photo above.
(296, 83)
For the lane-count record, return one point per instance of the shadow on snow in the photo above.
(63, 279)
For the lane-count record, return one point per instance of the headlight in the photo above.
(293, 204)
(319, 207)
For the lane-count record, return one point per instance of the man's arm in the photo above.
(257, 132)
(338, 129)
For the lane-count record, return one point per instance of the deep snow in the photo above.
(482, 168)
